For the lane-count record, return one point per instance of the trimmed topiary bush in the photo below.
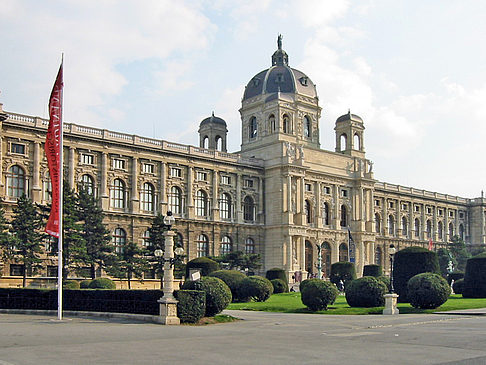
(385, 280)
(367, 291)
(372, 270)
(277, 273)
(318, 294)
(204, 264)
(410, 262)
(428, 290)
(458, 286)
(232, 278)
(454, 276)
(344, 271)
(70, 284)
(279, 286)
(192, 305)
(102, 283)
(475, 277)
(302, 284)
(218, 294)
(84, 284)
(255, 287)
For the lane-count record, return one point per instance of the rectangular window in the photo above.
(308, 187)
(119, 164)
(344, 193)
(148, 168)
(404, 206)
(175, 172)
(440, 212)
(87, 159)
(248, 183)
(201, 176)
(52, 271)
(377, 203)
(461, 215)
(225, 179)
(417, 208)
(149, 274)
(391, 205)
(17, 148)
(327, 190)
(16, 270)
(451, 214)
(429, 210)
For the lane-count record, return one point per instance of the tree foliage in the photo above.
(130, 262)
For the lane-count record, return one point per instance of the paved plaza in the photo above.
(259, 338)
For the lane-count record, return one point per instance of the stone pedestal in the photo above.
(391, 304)
(168, 311)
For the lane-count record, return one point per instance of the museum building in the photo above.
(281, 196)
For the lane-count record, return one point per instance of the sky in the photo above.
(414, 70)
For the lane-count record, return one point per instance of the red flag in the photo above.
(53, 150)
(431, 244)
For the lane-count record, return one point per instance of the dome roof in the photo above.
(349, 116)
(212, 120)
(280, 78)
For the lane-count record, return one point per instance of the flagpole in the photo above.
(60, 239)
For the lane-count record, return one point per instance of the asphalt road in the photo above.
(260, 338)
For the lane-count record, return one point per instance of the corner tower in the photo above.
(350, 135)
(280, 104)
(213, 133)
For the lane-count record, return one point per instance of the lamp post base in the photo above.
(391, 304)
(168, 311)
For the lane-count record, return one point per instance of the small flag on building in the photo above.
(431, 244)
(351, 247)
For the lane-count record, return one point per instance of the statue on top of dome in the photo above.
(279, 41)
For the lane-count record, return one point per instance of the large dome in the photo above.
(280, 78)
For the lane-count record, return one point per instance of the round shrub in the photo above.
(302, 284)
(428, 290)
(102, 283)
(205, 265)
(367, 291)
(344, 271)
(475, 277)
(84, 284)
(279, 286)
(454, 276)
(276, 273)
(458, 286)
(70, 284)
(385, 280)
(410, 262)
(232, 278)
(218, 294)
(318, 294)
(372, 270)
(255, 287)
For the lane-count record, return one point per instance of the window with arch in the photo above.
(391, 225)
(146, 243)
(307, 127)
(357, 142)
(249, 246)
(461, 231)
(378, 256)
(326, 258)
(378, 223)
(417, 227)
(175, 200)
(440, 231)
(205, 143)
(308, 212)
(47, 187)
(309, 257)
(202, 245)
(271, 123)
(404, 226)
(286, 124)
(344, 216)
(248, 209)
(225, 206)
(252, 130)
(148, 197)
(343, 252)
(202, 204)
(226, 245)
(16, 181)
(119, 239)
(429, 228)
(87, 184)
(343, 141)
(179, 240)
(325, 214)
(118, 195)
(451, 231)
(219, 143)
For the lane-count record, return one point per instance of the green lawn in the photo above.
(291, 303)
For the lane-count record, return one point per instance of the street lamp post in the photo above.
(319, 261)
(391, 251)
(391, 298)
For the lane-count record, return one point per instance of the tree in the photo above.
(458, 250)
(130, 261)
(238, 260)
(97, 239)
(25, 244)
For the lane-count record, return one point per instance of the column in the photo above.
(134, 192)
(189, 197)
(260, 212)
(36, 186)
(215, 197)
(301, 247)
(336, 209)
(385, 216)
(104, 181)
(318, 208)
(162, 194)
(238, 212)
(71, 168)
(372, 252)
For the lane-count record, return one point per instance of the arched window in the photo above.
(205, 143)
(218, 143)
(249, 246)
(226, 246)
(429, 228)
(117, 194)
(325, 214)
(286, 123)
(225, 206)
(378, 256)
(175, 200)
(148, 197)
(252, 128)
(271, 123)
(404, 226)
(248, 209)
(326, 258)
(461, 231)
(309, 257)
(87, 184)
(119, 239)
(201, 203)
(202, 245)
(308, 212)
(344, 216)
(15, 181)
(391, 225)
(357, 142)
(417, 228)
(440, 231)
(47, 187)
(307, 127)
(178, 240)
(378, 223)
(343, 141)
(451, 231)
(343, 252)
(146, 243)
